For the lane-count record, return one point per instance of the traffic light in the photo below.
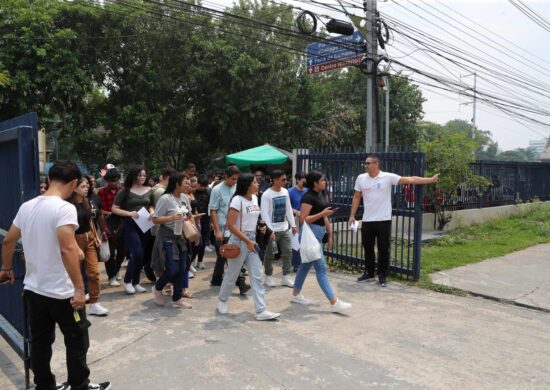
(339, 27)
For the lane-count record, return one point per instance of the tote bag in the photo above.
(310, 248)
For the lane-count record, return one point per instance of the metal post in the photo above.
(387, 144)
(475, 101)
(372, 53)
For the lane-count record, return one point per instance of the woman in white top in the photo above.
(242, 220)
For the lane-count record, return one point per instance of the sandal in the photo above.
(187, 294)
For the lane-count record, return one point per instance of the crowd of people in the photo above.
(163, 227)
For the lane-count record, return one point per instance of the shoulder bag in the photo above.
(232, 251)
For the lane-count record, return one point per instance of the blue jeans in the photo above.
(175, 269)
(321, 270)
(136, 241)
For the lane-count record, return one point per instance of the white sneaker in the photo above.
(222, 307)
(269, 282)
(97, 310)
(113, 282)
(209, 248)
(193, 269)
(267, 315)
(287, 281)
(191, 275)
(202, 266)
(340, 306)
(129, 288)
(139, 288)
(300, 299)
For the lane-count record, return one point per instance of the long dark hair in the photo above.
(243, 183)
(174, 179)
(132, 176)
(312, 177)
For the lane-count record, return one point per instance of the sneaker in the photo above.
(222, 307)
(209, 248)
(192, 270)
(382, 280)
(97, 310)
(100, 386)
(63, 386)
(113, 282)
(129, 288)
(244, 288)
(87, 296)
(157, 295)
(168, 290)
(300, 299)
(118, 277)
(139, 288)
(287, 281)
(202, 266)
(191, 275)
(364, 278)
(269, 282)
(244, 272)
(340, 306)
(267, 315)
(181, 304)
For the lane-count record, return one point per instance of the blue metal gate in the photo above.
(19, 174)
(341, 170)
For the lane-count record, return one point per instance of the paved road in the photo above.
(522, 277)
(399, 337)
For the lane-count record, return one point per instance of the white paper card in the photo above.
(354, 226)
(295, 241)
(143, 221)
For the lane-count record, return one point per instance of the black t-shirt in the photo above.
(83, 216)
(201, 198)
(95, 204)
(318, 203)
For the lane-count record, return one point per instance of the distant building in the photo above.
(538, 145)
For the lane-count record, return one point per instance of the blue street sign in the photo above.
(323, 52)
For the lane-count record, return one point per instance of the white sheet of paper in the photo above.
(295, 241)
(143, 221)
(354, 226)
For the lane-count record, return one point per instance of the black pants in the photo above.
(118, 251)
(44, 313)
(217, 275)
(379, 232)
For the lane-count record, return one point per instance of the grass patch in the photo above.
(480, 242)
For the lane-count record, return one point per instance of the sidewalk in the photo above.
(396, 337)
(521, 277)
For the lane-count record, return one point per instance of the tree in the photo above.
(450, 155)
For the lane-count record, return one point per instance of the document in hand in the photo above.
(143, 221)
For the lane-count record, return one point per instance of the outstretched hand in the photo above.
(435, 178)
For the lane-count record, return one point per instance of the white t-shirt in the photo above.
(376, 193)
(38, 220)
(277, 210)
(250, 209)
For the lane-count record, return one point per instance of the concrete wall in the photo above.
(474, 216)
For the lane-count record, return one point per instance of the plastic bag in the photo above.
(310, 248)
(104, 252)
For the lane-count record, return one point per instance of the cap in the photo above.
(108, 166)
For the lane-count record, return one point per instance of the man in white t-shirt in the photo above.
(54, 290)
(277, 215)
(375, 187)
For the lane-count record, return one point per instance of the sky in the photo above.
(495, 34)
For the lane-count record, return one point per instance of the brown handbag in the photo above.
(190, 231)
(232, 251)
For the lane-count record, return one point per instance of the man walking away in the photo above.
(277, 215)
(54, 291)
(375, 186)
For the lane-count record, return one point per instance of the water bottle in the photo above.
(274, 248)
(178, 226)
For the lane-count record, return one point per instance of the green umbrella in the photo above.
(261, 155)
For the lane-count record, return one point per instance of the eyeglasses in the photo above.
(369, 162)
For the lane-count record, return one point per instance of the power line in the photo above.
(524, 9)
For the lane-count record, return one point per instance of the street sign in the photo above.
(342, 51)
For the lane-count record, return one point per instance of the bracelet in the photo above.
(7, 269)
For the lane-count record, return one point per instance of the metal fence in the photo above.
(19, 171)
(510, 182)
(341, 170)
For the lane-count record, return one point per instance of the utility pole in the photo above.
(371, 139)
(387, 88)
(475, 101)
